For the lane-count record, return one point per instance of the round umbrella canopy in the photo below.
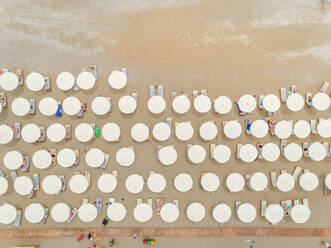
(271, 103)
(285, 182)
(140, 132)
(301, 129)
(161, 131)
(23, 185)
(7, 213)
(270, 152)
(246, 212)
(183, 182)
(184, 131)
(169, 212)
(195, 212)
(84, 132)
(117, 80)
(247, 103)
(52, 184)
(20, 106)
(221, 153)
(232, 129)
(87, 212)
(259, 129)
(208, 131)
(111, 132)
(283, 129)
(6, 134)
(42, 159)
(35, 81)
(295, 102)
(107, 183)
(274, 213)
(321, 101)
(167, 155)
(134, 183)
(13, 160)
(156, 183)
(85, 80)
(196, 154)
(34, 213)
(127, 104)
(202, 104)
(56, 132)
(181, 104)
(317, 151)
(94, 157)
(248, 153)
(101, 105)
(210, 182)
(8, 81)
(235, 182)
(309, 181)
(300, 214)
(125, 156)
(156, 104)
(116, 212)
(259, 181)
(66, 157)
(78, 184)
(222, 213)
(65, 81)
(71, 105)
(293, 152)
(30, 133)
(143, 212)
(222, 105)
(324, 128)
(60, 212)
(48, 106)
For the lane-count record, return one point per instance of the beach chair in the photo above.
(309, 97)
(313, 126)
(305, 202)
(93, 70)
(111, 201)
(150, 203)
(248, 181)
(282, 146)
(296, 172)
(139, 201)
(324, 87)
(32, 109)
(43, 221)
(237, 204)
(26, 163)
(238, 150)
(53, 155)
(105, 162)
(263, 207)
(35, 179)
(160, 90)
(110, 104)
(248, 131)
(273, 179)
(63, 179)
(19, 74)
(169, 121)
(326, 145)
(17, 130)
(87, 174)
(68, 131)
(17, 221)
(77, 157)
(3, 99)
(42, 134)
(151, 90)
(84, 201)
(283, 94)
(98, 204)
(47, 85)
(305, 147)
(72, 215)
(296, 202)
(212, 147)
(115, 173)
(13, 175)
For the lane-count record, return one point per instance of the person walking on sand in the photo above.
(135, 234)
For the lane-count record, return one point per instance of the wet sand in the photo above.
(227, 48)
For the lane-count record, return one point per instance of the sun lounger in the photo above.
(282, 146)
(195, 93)
(32, 109)
(93, 127)
(125, 71)
(263, 207)
(53, 154)
(63, 179)
(160, 90)
(105, 162)
(77, 157)
(47, 85)
(98, 204)
(31, 194)
(159, 204)
(68, 131)
(248, 131)
(158, 148)
(93, 70)
(84, 201)
(26, 163)
(135, 96)
(212, 147)
(13, 175)
(3, 98)
(309, 98)
(169, 121)
(296, 202)
(42, 134)
(35, 179)
(273, 178)
(17, 221)
(293, 89)
(176, 203)
(87, 174)
(150, 203)
(19, 74)
(313, 126)
(17, 130)
(45, 216)
(115, 173)
(296, 172)
(72, 215)
(76, 87)
(237, 204)
(291, 123)
(203, 92)
(283, 94)
(238, 150)
(139, 201)
(284, 206)
(259, 147)
(2, 174)
(305, 202)
(324, 87)
(110, 105)
(173, 95)
(111, 201)
(248, 181)
(151, 90)
(326, 145)
(305, 146)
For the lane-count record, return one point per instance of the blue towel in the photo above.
(58, 112)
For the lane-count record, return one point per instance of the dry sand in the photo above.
(229, 48)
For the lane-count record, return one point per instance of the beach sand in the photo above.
(228, 48)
